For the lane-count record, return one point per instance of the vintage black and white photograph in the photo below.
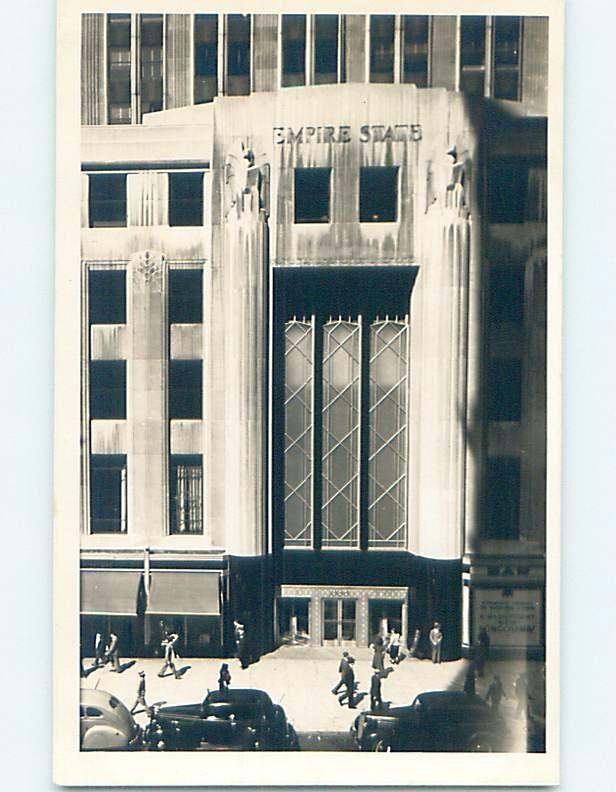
(305, 419)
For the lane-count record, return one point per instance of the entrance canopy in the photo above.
(184, 593)
(109, 592)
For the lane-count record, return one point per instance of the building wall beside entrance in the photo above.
(340, 615)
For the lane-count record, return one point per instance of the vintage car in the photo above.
(234, 719)
(105, 724)
(442, 720)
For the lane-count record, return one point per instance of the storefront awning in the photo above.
(184, 593)
(107, 592)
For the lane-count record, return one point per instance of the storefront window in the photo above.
(293, 620)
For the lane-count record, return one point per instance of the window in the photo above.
(238, 54)
(506, 294)
(312, 195)
(185, 296)
(382, 48)
(507, 189)
(185, 199)
(293, 49)
(507, 57)
(119, 69)
(107, 200)
(325, 48)
(108, 389)
(107, 296)
(378, 194)
(186, 494)
(108, 493)
(502, 500)
(150, 63)
(505, 389)
(415, 32)
(185, 389)
(472, 54)
(206, 57)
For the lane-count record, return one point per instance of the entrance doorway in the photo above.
(339, 622)
(385, 615)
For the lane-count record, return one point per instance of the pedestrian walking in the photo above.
(376, 700)
(241, 647)
(170, 655)
(140, 700)
(349, 681)
(113, 652)
(496, 692)
(482, 651)
(394, 647)
(378, 656)
(99, 650)
(415, 643)
(224, 677)
(520, 691)
(343, 666)
(436, 639)
(469, 681)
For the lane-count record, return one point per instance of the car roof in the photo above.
(236, 696)
(106, 701)
(450, 698)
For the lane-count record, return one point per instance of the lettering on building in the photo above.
(367, 133)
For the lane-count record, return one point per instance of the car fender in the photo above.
(104, 738)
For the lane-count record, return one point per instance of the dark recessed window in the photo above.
(507, 189)
(185, 199)
(108, 389)
(186, 493)
(415, 33)
(382, 48)
(206, 57)
(326, 48)
(185, 389)
(507, 35)
(312, 195)
(502, 500)
(506, 294)
(505, 389)
(238, 54)
(108, 493)
(378, 194)
(151, 63)
(185, 296)
(107, 296)
(119, 68)
(293, 37)
(107, 200)
(472, 54)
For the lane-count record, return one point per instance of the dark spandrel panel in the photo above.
(382, 47)
(378, 194)
(507, 186)
(107, 478)
(312, 195)
(107, 296)
(325, 48)
(506, 298)
(507, 83)
(108, 389)
(502, 502)
(185, 389)
(505, 390)
(293, 49)
(185, 199)
(107, 200)
(185, 296)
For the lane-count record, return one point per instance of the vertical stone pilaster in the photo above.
(178, 61)
(146, 395)
(265, 52)
(443, 52)
(92, 69)
(355, 47)
(534, 94)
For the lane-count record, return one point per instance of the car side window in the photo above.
(93, 712)
(82, 711)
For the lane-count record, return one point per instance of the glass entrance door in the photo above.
(339, 622)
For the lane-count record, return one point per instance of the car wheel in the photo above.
(481, 743)
(382, 746)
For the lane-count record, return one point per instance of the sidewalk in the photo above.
(301, 678)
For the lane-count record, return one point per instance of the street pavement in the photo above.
(301, 679)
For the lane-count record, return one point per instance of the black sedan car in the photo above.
(442, 720)
(234, 719)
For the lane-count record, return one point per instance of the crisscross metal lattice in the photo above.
(341, 416)
(387, 418)
(298, 433)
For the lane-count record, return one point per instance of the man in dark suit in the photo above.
(342, 669)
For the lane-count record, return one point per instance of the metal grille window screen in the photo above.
(186, 492)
